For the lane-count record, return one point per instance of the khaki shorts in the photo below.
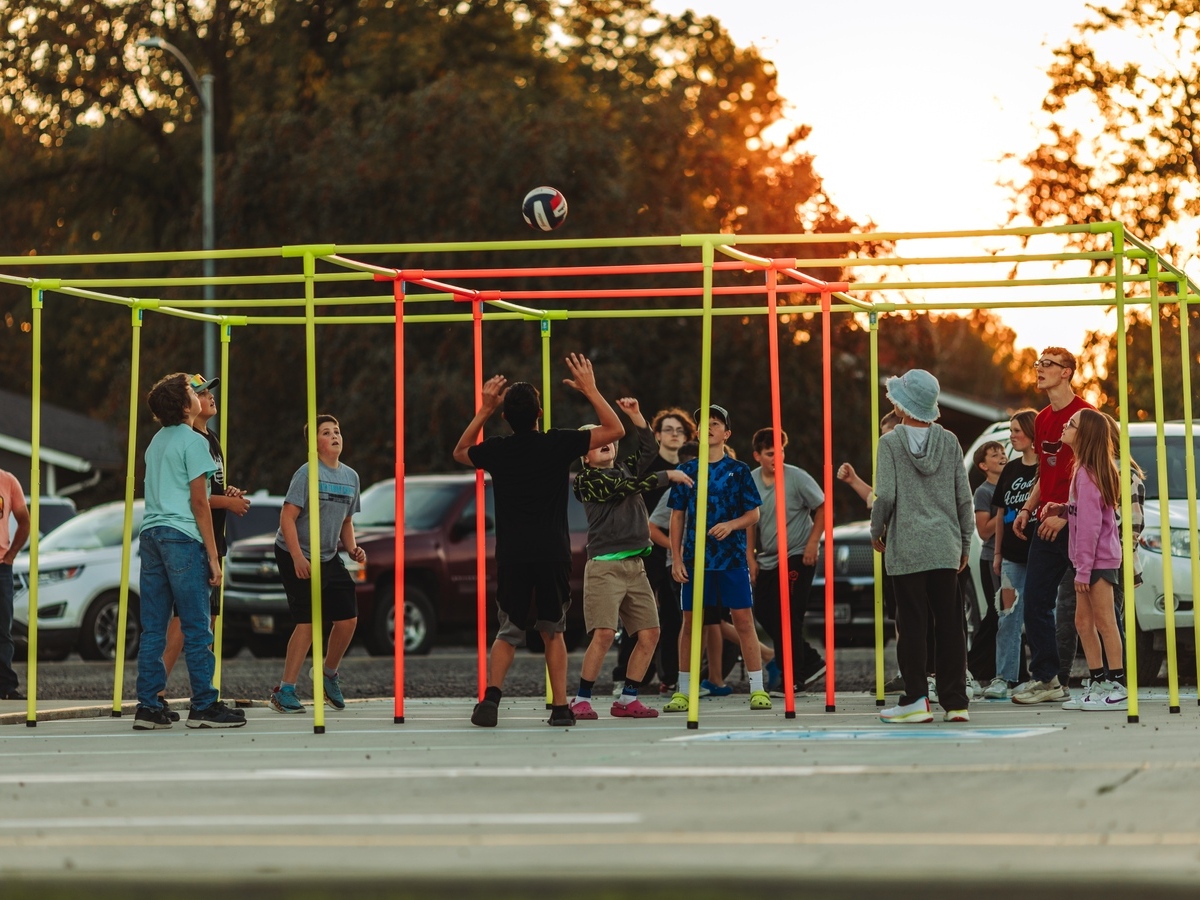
(618, 589)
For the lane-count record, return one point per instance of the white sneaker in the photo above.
(907, 713)
(931, 688)
(1107, 695)
(974, 691)
(997, 690)
(1077, 702)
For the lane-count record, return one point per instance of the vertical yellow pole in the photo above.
(693, 717)
(35, 512)
(545, 330)
(314, 494)
(1164, 499)
(1118, 239)
(223, 435)
(1185, 357)
(127, 533)
(876, 558)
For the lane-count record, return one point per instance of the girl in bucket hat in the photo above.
(923, 513)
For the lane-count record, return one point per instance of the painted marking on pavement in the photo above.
(958, 735)
(338, 821)
(1034, 843)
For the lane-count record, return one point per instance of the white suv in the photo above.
(79, 578)
(1149, 600)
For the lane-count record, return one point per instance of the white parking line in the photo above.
(337, 821)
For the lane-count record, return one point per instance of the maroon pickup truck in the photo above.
(439, 550)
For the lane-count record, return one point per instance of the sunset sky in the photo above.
(913, 106)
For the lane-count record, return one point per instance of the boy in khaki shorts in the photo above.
(615, 586)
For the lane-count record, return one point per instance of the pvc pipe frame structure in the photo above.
(1158, 270)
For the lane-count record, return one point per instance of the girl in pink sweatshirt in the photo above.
(1095, 551)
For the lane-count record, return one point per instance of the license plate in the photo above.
(262, 624)
(841, 613)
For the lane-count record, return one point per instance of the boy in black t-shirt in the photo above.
(530, 472)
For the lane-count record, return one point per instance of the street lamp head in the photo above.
(154, 43)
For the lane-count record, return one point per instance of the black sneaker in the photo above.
(170, 712)
(812, 671)
(216, 716)
(147, 719)
(14, 694)
(485, 714)
(561, 715)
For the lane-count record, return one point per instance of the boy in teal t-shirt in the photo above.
(179, 562)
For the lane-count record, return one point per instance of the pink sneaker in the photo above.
(583, 710)
(634, 710)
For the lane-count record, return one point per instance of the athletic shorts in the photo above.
(1112, 576)
(618, 589)
(338, 601)
(729, 588)
(532, 596)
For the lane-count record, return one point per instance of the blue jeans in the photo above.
(1045, 569)
(1008, 631)
(8, 677)
(174, 577)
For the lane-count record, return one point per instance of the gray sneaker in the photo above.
(1042, 692)
(997, 690)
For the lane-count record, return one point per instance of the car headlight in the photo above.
(1181, 541)
(54, 576)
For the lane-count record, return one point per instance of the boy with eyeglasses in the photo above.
(1049, 569)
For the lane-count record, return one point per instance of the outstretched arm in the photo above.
(493, 395)
(583, 379)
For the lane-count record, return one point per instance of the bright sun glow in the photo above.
(914, 107)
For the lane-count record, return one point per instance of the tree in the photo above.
(1137, 157)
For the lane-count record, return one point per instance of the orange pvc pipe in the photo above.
(480, 516)
(398, 597)
(827, 390)
(785, 594)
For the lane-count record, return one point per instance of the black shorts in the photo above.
(338, 601)
(531, 592)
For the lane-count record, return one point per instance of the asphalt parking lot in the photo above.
(1033, 800)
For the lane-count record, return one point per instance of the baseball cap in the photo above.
(200, 384)
(719, 411)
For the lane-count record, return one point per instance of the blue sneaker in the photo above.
(773, 675)
(333, 691)
(723, 690)
(284, 700)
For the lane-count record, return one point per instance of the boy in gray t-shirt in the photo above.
(338, 496)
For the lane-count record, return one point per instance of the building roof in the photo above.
(68, 439)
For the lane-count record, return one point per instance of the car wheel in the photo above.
(1149, 660)
(98, 635)
(420, 622)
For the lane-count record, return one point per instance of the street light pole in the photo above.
(203, 86)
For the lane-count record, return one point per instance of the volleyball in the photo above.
(544, 208)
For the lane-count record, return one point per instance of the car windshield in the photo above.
(91, 530)
(1143, 452)
(425, 504)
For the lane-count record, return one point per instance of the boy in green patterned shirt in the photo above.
(615, 586)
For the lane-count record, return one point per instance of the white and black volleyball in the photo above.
(544, 208)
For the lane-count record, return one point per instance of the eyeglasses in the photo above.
(671, 430)
(1047, 363)
(1071, 424)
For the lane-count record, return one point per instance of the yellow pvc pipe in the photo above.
(1164, 499)
(223, 435)
(35, 513)
(876, 558)
(136, 316)
(314, 495)
(1118, 239)
(693, 716)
